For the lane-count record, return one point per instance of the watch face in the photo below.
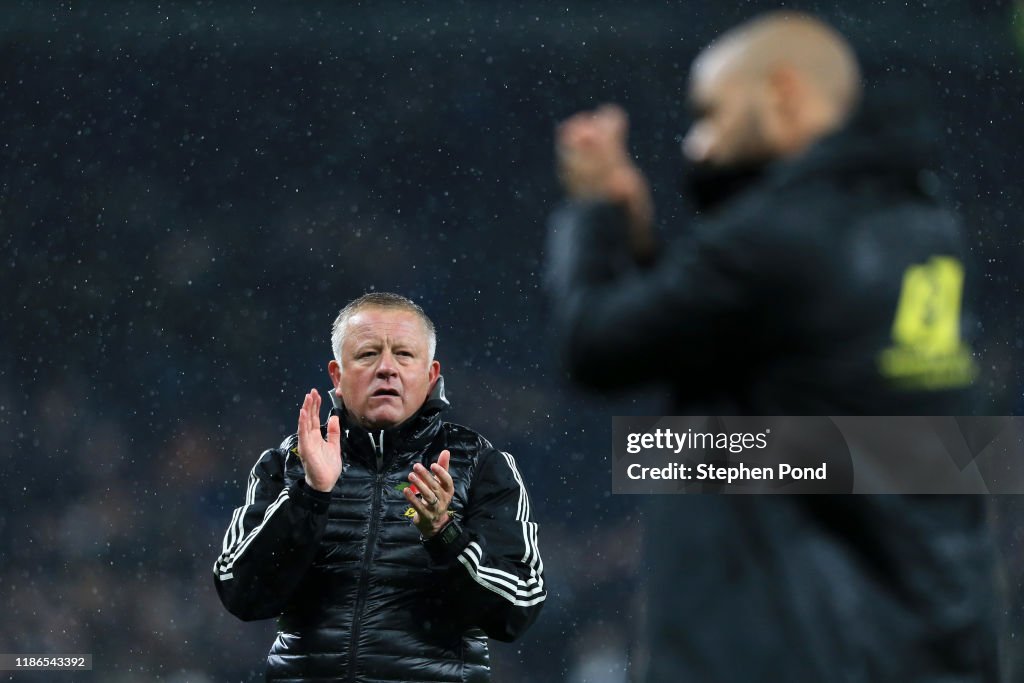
(450, 532)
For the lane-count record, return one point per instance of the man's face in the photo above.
(386, 372)
(728, 129)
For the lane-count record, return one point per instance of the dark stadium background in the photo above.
(188, 194)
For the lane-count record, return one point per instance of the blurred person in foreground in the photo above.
(389, 542)
(821, 278)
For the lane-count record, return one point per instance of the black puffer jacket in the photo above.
(831, 287)
(360, 597)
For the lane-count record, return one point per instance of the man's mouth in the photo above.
(385, 392)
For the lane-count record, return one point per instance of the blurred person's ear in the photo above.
(788, 89)
(334, 370)
(784, 100)
(798, 113)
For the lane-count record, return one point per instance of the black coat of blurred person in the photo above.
(822, 278)
(389, 542)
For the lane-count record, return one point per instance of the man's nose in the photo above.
(697, 143)
(387, 366)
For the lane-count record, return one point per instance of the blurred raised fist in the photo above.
(594, 163)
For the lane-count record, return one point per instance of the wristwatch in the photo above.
(448, 534)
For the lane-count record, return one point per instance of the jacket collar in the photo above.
(889, 135)
(380, 446)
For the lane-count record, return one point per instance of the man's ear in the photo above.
(334, 370)
(788, 89)
(433, 373)
(789, 100)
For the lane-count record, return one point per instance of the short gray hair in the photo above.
(385, 300)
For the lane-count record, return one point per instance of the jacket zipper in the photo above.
(364, 570)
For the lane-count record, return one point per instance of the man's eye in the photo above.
(365, 354)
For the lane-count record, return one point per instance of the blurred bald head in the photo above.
(769, 88)
(787, 40)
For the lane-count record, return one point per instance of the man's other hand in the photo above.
(436, 489)
(321, 459)
(594, 163)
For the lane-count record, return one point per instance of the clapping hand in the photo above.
(436, 489)
(594, 163)
(321, 459)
